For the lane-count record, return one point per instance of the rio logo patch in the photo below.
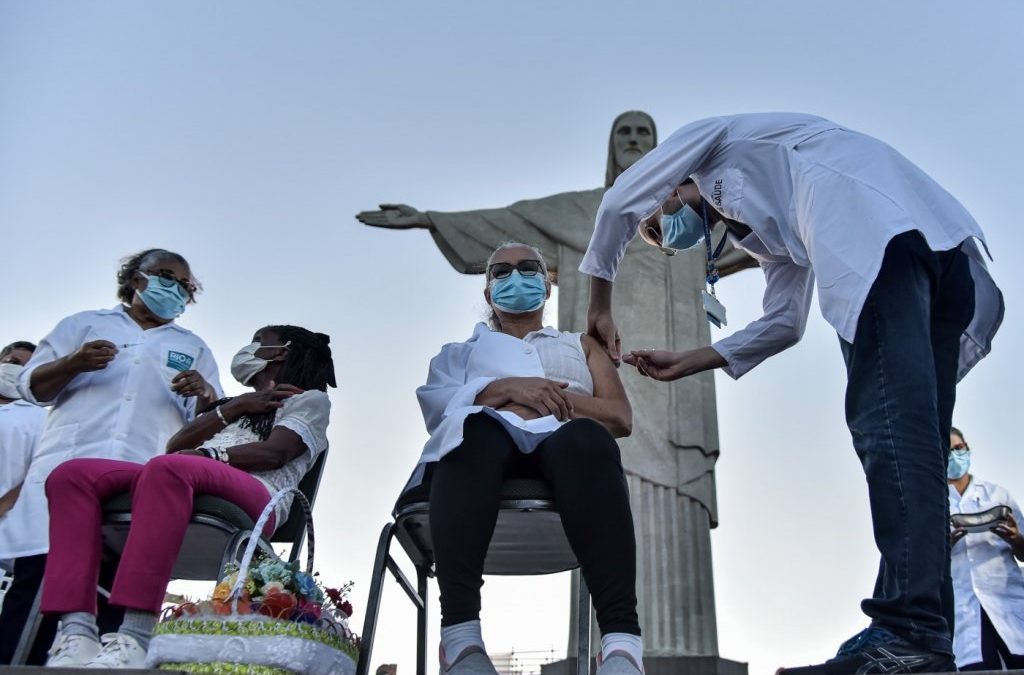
(178, 361)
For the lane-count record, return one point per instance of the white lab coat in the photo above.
(125, 411)
(21, 426)
(822, 202)
(985, 574)
(463, 369)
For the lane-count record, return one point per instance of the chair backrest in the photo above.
(293, 529)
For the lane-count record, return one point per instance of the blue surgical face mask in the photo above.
(959, 463)
(518, 294)
(163, 297)
(682, 230)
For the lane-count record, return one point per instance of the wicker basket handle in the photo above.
(257, 529)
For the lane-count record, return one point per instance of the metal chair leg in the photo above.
(421, 621)
(29, 631)
(583, 628)
(380, 567)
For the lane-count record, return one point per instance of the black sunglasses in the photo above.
(166, 279)
(527, 268)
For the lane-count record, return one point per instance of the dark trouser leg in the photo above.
(28, 577)
(893, 411)
(952, 310)
(464, 496)
(581, 462)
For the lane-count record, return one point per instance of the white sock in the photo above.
(456, 639)
(625, 642)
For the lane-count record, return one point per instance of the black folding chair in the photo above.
(216, 535)
(528, 540)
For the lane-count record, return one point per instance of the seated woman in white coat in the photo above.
(518, 399)
(988, 586)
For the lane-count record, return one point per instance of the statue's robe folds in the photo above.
(670, 458)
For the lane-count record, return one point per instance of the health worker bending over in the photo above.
(519, 399)
(245, 450)
(900, 278)
(118, 383)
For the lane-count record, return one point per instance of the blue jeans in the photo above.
(902, 367)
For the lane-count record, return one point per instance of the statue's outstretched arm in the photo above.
(395, 216)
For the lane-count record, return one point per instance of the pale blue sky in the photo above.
(246, 135)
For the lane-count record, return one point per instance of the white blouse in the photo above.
(307, 414)
(463, 369)
(985, 574)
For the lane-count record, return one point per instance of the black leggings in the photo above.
(581, 463)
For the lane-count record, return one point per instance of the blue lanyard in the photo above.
(711, 275)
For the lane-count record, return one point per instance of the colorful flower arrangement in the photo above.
(277, 590)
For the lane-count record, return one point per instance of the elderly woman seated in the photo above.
(518, 399)
(244, 450)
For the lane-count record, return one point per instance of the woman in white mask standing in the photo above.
(118, 382)
(988, 585)
(518, 399)
(244, 450)
(21, 425)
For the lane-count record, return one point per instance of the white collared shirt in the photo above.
(822, 202)
(126, 411)
(463, 369)
(21, 426)
(985, 574)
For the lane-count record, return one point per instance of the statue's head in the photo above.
(633, 136)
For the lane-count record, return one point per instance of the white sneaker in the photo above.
(119, 651)
(71, 651)
(472, 661)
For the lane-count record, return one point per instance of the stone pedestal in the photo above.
(664, 665)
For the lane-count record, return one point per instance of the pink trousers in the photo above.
(162, 490)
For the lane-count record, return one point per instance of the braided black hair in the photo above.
(308, 365)
(134, 263)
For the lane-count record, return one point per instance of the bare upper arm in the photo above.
(607, 383)
(286, 442)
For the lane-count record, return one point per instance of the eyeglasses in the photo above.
(528, 268)
(168, 280)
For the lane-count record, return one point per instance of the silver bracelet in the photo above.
(222, 455)
(221, 416)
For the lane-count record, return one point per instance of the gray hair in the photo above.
(492, 318)
(514, 244)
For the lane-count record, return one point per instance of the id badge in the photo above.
(715, 310)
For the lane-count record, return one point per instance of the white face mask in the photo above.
(245, 364)
(9, 380)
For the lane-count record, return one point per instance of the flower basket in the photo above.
(268, 618)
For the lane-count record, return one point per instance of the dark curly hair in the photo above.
(134, 263)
